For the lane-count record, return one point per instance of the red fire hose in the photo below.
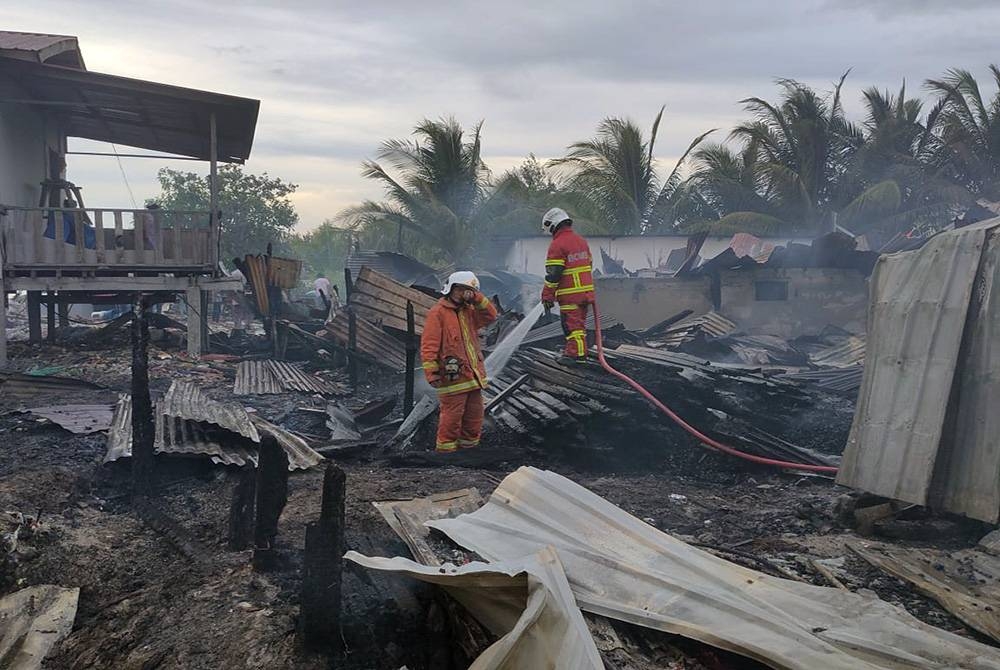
(701, 437)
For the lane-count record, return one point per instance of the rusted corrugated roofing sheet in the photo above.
(264, 377)
(620, 567)
(79, 419)
(917, 329)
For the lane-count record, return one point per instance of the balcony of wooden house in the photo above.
(61, 251)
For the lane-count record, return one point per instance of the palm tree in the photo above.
(970, 130)
(793, 172)
(902, 148)
(438, 192)
(616, 173)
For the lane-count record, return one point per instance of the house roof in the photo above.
(42, 48)
(133, 112)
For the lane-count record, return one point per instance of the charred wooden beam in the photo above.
(143, 426)
(319, 615)
(272, 494)
(411, 358)
(241, 512)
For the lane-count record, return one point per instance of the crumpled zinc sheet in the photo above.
(32, 620)
(624, 569)
(526, 601)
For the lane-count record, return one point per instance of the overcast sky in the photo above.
(336, 78)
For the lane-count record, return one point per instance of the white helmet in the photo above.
(462, 278)
(553, 218)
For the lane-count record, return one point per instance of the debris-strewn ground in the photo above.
(144, 605)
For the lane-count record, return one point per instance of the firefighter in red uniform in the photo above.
(453, 361)
(569, 281)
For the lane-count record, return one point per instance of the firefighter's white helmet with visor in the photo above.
(553, 218)
(462, 278)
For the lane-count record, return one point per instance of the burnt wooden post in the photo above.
(411, 358)
(348, 285)
(352, 346)
(50, 316)
(241, 513)
(63, 308)
(319, 614)
(272, 494)
(34, 316)
(143, 429)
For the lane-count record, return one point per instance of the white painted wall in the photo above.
(24, 142)
(527, 254)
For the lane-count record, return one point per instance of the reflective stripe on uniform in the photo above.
(576, 289)
(460, 387)
(484, 303)
(552, 284)
(470, 350)
(555, 261)
(466, 444)
(568, 308)
(431, 366)
(447, 446)
(580, 337)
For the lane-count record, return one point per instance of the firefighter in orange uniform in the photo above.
(569, 281)
(453, 361)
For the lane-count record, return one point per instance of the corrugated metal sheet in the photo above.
(554, 329)
(917, 317)
(848, 353)
(17, 385)
(267, 377)
(300, 455)
(969, 481)
(547, 632)
(227, 438)
(179, 437)
(620, 567)
(402, 268)
(711, 324)
(184, 400)
(79, 419)
(382, 300)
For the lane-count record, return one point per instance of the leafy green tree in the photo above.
(324, 250)
(256, 209)
(435, 188)
(616, 172)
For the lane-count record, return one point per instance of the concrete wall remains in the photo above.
(641, 303)
(787, 302)
(527, 254)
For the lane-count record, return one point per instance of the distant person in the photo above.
(569, 281)
(453, 361)
(150, 226)
(323, 292)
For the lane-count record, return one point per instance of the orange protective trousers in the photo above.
(460, 422)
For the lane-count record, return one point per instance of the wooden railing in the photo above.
(107, 239)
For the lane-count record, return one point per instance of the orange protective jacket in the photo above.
(569, 278)
(451, 336)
